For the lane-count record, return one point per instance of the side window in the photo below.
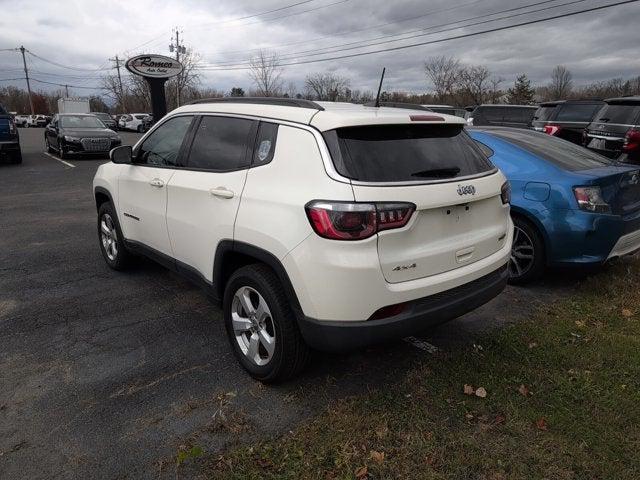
(161, 148)
(488, 152)
(221, 144)
(492, 114)
(265, 143)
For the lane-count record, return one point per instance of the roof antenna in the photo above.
(380, 87)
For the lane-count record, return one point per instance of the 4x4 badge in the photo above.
(466, 190)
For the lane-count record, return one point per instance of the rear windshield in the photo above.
(625, 114)
(507, 114)
(561, 153)
(543, 113)
(400, 153)
(577, 112)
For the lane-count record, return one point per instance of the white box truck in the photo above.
(73, 105)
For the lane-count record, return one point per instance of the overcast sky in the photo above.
(85, 34)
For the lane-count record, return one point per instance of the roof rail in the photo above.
(283, 102)
(410, 106)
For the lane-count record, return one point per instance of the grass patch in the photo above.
(563, 402)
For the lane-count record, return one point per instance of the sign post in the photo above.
(156, 70)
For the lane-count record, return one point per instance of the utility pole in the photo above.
(66, 90)
(178, 49)
(26, 76)
(117, 60)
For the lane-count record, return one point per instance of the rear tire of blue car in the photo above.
(527, 253)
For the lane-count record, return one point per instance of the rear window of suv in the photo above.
(544, 113)
(401, 153)
(618, 113)
(577, 112)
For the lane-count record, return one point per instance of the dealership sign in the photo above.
(154, 66)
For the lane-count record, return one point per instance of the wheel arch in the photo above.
(231, 255)
(537, 224)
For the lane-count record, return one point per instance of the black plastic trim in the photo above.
(421, 314)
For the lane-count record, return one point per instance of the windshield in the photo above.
(140, 117)
(103, 116)
(80, 121)
(400, 153)
(561, 153)
(544, 112)
(615, 113)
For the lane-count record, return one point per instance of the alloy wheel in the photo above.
(109, 237)
(253, 326)
(522, 253)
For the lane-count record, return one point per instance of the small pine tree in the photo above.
(522, 93)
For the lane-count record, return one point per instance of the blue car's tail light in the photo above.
(590, 199)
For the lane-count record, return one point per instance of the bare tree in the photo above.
(266, 73)
(561, 83)
(327, 86)
(444, 73)
(185, 84)
(475, 83)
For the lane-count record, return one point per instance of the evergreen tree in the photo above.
(522, 93)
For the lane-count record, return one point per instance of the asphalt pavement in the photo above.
(106, 374)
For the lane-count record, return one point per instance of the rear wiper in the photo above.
(604, 119)
(438, 173)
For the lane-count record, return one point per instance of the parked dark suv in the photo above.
(615, 130)
(9, 138)
(566, 119)
(519, 116)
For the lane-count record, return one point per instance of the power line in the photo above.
(67, 85)
(65, 66)
(339, 48)
(11, 79)
(441, 40)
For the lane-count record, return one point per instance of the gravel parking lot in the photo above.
(110, 372)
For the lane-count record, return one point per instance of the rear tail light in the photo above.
(356, 221)
(12, 126)
(505, 193)
(551, 129)
(631, 141)
(389, 311)
(590, 199)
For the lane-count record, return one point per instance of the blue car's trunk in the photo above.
(620, 188)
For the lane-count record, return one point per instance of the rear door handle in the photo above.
(221, 192)
(156, 182)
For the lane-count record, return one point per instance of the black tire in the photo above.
(47, 145)
(123, 258)
(61, 153)
(140, 129)
(291, 353)
(525, 232)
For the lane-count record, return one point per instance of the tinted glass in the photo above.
(563, 154)
(265, 143)
(221, 144)
(161, 148)
(626, 114)
(488, 152)
(79, 121)
(543, 113)
(394, 153)
(2, 110)
(577, 112)
(491, 114)
(4, 125)
(518, 115)
(140, 117)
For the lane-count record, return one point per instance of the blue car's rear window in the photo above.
(561, 153)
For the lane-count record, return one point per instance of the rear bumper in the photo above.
(421, 314)
(10, 145)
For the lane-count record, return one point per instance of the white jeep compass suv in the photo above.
(316, 225)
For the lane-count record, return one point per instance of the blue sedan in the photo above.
(570, 206)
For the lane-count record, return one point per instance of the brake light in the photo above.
(551, 129)
(12, 126)
(505, 193)
(590, 199)
(631, 141)
(356, 221)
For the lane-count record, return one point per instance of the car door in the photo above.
(142, 185)
(204, 197)
(51, 131)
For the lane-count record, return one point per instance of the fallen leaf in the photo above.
(541, 423)
(376, 456)
(626, 312)
(500, 419)
(382, 431)
(523, 390)
(264, 463)
(481, 392)
(362, 472)
(579, 323)
(468, 390)
(469, 416)
(533, 345)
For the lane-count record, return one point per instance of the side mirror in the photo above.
(121, 154)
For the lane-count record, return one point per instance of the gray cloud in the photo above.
(594, 46)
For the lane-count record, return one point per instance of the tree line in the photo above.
(447, 79)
